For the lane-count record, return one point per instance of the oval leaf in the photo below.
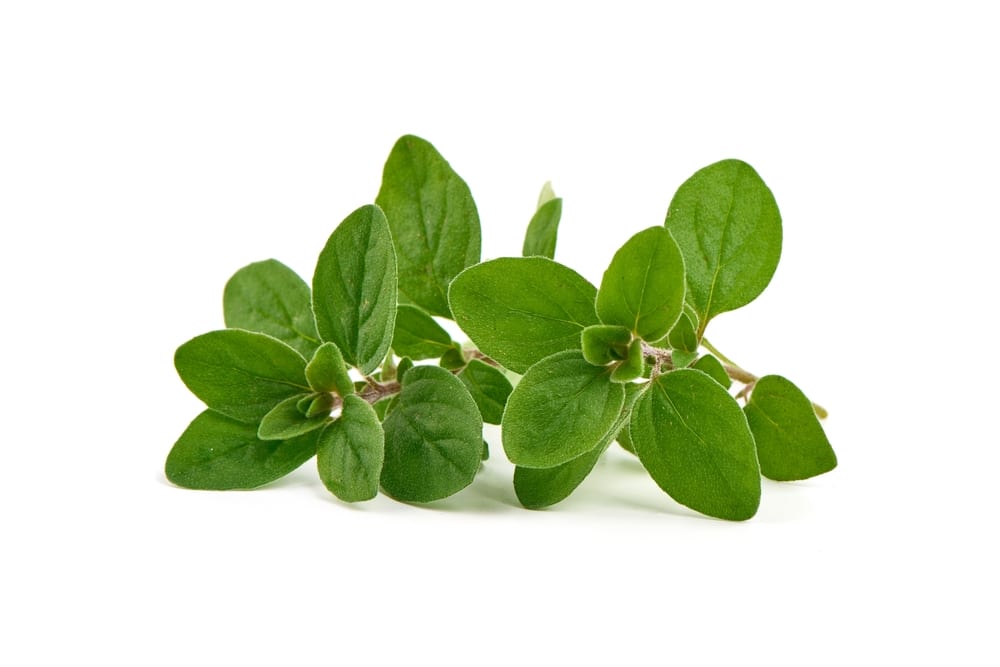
(519, 310)
(434, 222)
(489, 388)
(603, 343)
(418, 336)
(350, 452)
(326, 371)
(714, 369)
(216, 452)
(433, 437)
(286, 421)
(726, 222)
(562, 408)
(540, 239)
(239, 373)
(354, 288)
(791, 443)
(270, 298)
(643, 288)
(692, 437)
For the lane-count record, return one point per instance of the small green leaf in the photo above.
(643, 288)
(434, 222)
(354, 288)
(217, 452)
(540, 239)
(791, 443)
(351, 451)
(726, 222)
(546, 195)
(625, 440)
(682, 359)
(682, 336)
(632, 367)
(486, 451)
(603, 343)
(405, 364)
(433, 437)
(489, 388)
(453, 358)
(562, 408)
(327, 372)
(519, 310)
(692, 437)
(418, 336)
(714, 369)
(285, 421)
(241, 374)
(268, 297)
(321, 404)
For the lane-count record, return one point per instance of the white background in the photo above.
(148, 150)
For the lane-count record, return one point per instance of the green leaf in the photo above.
(241, 374)
(519, 310)
(682, 359)
(286, 421)
(405, 364)
(321, 404)
(625, 440)
(632, 367)
(417, 335)
(546, 195)
(489, 388)
(603, 343)
(543, 229)
(682, 336)
(351, 451)
(692, 437)
(561, 408)
(486, 451)
(453, 358)
(434, 222)
(433, 437)
(354, 288)
(643, 288)
(327, 372)
(791, 443)
(217, 452)
(268, 297)
(714, 369)
(726, 222)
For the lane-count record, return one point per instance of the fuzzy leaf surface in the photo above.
(350, 452)
(603, 343)
(519, 310)
(540, 239)
(714, 369)
(417, 335)
(326, 371)
(286, 421)
(489, 388)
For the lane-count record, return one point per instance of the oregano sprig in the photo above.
(357, 369)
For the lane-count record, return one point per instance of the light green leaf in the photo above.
(268, 297)
(540, 239)
(714, 369)
(519, 310)
(682, 359)
(321, 404)
(791, 443)
(434, 222)
(562, 408)
(241, 374)
(682, 336)
(286, 421)
(632, 367)
(351, 451)
(217, 452)
(327, 372)
(692, 437)
(417, 335)
(489, 388)
(643, 288)
(433, 437)
(354, 288)
(726, 222)
(546, 195)
(603, 343)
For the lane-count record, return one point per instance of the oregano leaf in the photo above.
(417, 335)
(434, 222)
(714, 369)
(489, 388)
(692, 438)
(350, 452)
(632, 367)
(286, 421)
(321, 404)
(242, 374)
(603, 343)
(354, 288)
(433, 437)
(326, 371)
(519, 310)
(791, 443)
(540, 238)
(682, 359)
(682, 336)
(218, 452)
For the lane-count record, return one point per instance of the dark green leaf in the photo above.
(354, 289)
(633, 366)
(714, 369)
(434, 222)
(603, 343)
(562, 408)
(351, 451)
(217, 452)
(433, 437)
(791, 443)
(327, 372)
(643, 288)
(285, 421)
(682, 336)
(692, 437)
(405, 364)
(268, 297)
(239, 373)
(540, 238)
(489, 388)
(418, 336)
(453, 358)
(726, 222)
(486, 451)
(519, 310)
